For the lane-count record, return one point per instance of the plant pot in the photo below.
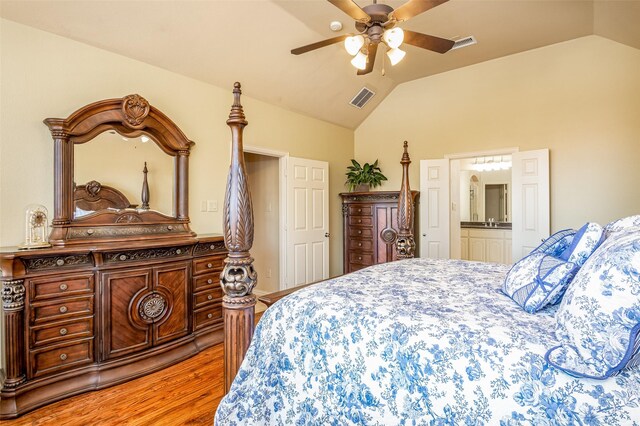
(363, 187)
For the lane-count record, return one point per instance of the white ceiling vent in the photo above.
(464, 42)
(362, 98)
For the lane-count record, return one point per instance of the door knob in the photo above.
(326, 234)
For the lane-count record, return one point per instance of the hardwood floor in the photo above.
(187, 393)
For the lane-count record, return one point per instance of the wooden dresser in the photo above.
(78, 319)
(370, 224)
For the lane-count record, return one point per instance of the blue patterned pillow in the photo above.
(598, 322)
(621, 225)
(538, 280)
(557, 243)
(584, 243)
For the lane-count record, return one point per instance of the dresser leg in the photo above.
(13, 313)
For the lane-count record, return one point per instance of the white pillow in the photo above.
(621, 225)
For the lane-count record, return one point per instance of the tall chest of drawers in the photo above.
(77, 319)
(370, 227)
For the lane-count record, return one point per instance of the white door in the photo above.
(307, 224)
(530, 204)
(434, 216)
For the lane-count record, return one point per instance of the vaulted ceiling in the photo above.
(222, 41)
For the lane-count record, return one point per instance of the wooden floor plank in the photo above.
(187, 393)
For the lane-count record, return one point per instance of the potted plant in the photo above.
(361, 178)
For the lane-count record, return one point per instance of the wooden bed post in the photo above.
(238, 277)
(405, 244)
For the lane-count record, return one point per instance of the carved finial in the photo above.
(405, 244)
(145, 188)
(405, 154)
(237, 113)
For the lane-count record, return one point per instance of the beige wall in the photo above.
(262, 174)
(580, 99)
(44, 75)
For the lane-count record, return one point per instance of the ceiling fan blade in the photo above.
(414, 7)
(350, 8)
(371, 58)
(319, 44)
(436, 44)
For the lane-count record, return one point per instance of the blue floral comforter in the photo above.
(415, 342)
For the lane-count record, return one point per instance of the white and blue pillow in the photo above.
(556, 244)
(598, 322)
(621, 225)
(584, 243)
(538, 280)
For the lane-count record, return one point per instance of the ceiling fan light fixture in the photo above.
(393, 37)
(395, 55)
(359, 61)
(353, 44)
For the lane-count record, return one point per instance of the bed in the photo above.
(417, 341)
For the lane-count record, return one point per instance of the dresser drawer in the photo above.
(207, 316)
(61, 358)
(360, 210)
(70, 285)
(355, 267)
(207, 297)
(60, 332)
(208, 264)
(206, 281)
(61, 309)
(360, 221)
(357, 232)
(361, 258)
(361, 245)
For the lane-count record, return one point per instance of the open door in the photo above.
(307, 225)
(434, 217)
(530, 206)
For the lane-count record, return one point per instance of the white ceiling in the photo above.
(222, 41)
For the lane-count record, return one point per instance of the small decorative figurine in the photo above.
(36, 227)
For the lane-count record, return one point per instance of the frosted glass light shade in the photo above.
(353, 44)
(393, 37)
(359, 61)
(395, 55)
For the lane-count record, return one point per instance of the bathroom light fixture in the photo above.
(491, 163)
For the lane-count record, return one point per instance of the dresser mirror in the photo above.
(119, 162)
(120, 174)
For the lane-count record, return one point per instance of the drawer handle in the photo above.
(359, 220)
(212, 247)
(63, 357)
(209, 316)
(170, 228)
(63, 287)
(178, 251)
(359, 257)
(63, 331)
(359, 244)
(90, 231)
(209, 297)
(123, 257)
(359, 232)
(359, 210)
(60, 262)
(209, 281)
(209, 265)
(63, 309)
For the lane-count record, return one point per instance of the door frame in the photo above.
(283, 160)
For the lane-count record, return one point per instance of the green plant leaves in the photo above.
(369, 174)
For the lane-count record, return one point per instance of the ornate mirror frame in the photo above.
(129, 116)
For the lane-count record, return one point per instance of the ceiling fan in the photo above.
(376, 23)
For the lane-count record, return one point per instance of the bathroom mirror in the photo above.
(484, 195)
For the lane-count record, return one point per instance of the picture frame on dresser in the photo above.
(124, 291)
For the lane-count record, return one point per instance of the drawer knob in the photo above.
(359, 257)
(359, 220)
(209, 265)
(63, 309)
(209, 297)
(123, 257)
(63, 357)
(209, 316)
(359, 244)
(212, 246)
(359, 232)
(170, 228)
(63, 331)
(60, 262)
(359, 210)
(90, 231)
(63, 287)
(209, 281)
(178, 251)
